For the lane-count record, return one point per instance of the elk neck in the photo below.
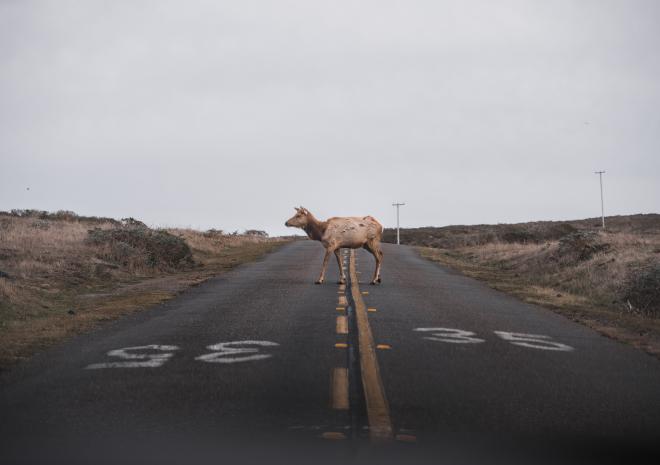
(315, 228)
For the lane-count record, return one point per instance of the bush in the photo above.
(41, 224)
(256, 232)
(213, 233)
(581, 245)
(642, 291)
(544, 232)
(515, 233)
(155, 249)
(133, 223)
(61, 215)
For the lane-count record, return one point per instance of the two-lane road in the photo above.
(261, 355)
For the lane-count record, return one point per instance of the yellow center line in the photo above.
(340, 389)
(342, 325)
(378, 410)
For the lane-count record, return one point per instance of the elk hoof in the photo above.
(341, 281)
(320, 281)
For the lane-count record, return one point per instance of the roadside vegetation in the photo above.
(608, 280)
(61, 273)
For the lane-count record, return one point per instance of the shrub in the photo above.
(133, 223)
(642, 290)
(256, 232)
(581, 245)
(515, 233)
(549, 231)
(41, 224)
(155, 249)
(214, 233)
(61, 215)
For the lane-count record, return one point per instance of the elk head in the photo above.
(299, 220)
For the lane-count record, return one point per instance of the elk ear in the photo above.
(296, 208)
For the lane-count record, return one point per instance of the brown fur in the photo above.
(341, 232)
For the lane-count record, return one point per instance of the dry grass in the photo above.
(599, 278)
(210, 246)
(54, 282)
(590, 290)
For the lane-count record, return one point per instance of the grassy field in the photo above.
(61, 274)
(608, 280)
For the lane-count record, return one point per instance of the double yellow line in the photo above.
(378, 410)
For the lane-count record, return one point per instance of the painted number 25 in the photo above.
(229, 352)
(154, 355)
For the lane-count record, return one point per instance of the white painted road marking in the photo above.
(137, 360)
(460, 336)
(451, 335)
(533, 341)
(225, 352)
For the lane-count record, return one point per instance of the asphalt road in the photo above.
(263, 365)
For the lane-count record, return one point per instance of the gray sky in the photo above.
(227, 114)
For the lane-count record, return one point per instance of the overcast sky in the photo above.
(226, 114)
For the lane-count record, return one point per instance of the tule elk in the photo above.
(341, 232)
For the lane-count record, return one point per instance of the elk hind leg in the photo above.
(342, 276)
(374, 248)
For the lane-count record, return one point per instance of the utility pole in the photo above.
(602, 205)
(397, 205)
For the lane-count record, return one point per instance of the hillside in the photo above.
(532, 232)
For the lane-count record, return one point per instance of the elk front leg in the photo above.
(325, 265)
(342, 276)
